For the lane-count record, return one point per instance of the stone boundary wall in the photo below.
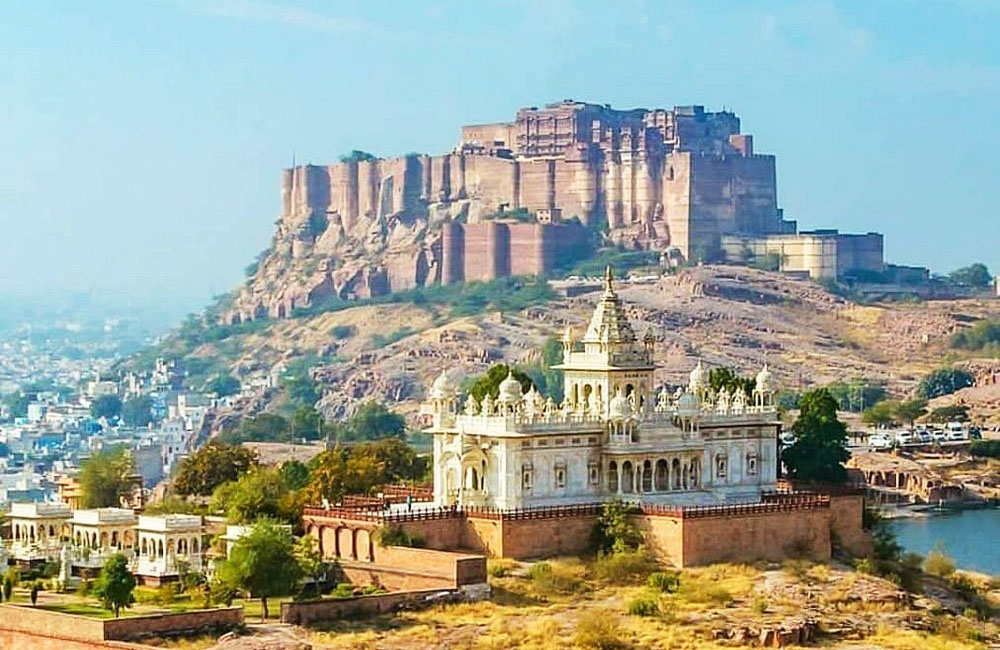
(57, 625)
(398, 568)
(326, 609)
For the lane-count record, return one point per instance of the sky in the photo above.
(141, 141)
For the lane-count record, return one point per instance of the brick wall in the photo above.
(531, 538)
(327, 609)
(846, 512)
(744, 538)
(137, 627)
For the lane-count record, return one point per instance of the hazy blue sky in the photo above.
(141, 140)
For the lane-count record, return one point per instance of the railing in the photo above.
(777, 501)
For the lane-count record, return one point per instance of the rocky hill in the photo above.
(722, 315)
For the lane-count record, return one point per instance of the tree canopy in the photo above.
(944, 381)
(223, 385)
(261, 492)
(211, 466)
(262, 562)
(975, 275)
(728, 378)
(106, 406)
(362, 468)
(116, 584)
(820, 448)
(984, 335)
(137, 411)
(953, 413)
(106, 477)
(490, 381)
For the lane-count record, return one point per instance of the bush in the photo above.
(343, 590)
(341, 332)
(550, 580)
(664, 581)
(985, 448)
(759, 605)
(599, 631)
(944, 381)
(937, 563)
(643, 605)
(624, 568)
(613, 531)
(499, 568)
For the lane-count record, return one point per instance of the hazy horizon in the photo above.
(144, 140)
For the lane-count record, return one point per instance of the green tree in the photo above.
(17, 403)
(294, 473)
(953, 413)
(223, 385)
(307, 423)
(944, 381)
(301, 388)
(262, 563)
(260, 492)
(820, 448)
(728, 378)
(490, 382)
(137, 411)
(310, 560)
(614, 532)
(373, 421)
(335, 473)
(33, 594)
(880, 415)
(106, 406)
(910, 410)
(984, 335)
(211, 466)
(116, 584)
(975, 275)
(106, 477)
(8, 587)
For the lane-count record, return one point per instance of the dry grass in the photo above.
(898, 639)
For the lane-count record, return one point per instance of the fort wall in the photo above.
(306, 612)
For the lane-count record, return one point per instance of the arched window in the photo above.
(613, 477)
(647, 476)
(662, 476)
(628, 478)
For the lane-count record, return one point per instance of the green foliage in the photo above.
(341, 332)
(8, 587)
(953, 413)
(490, 381)
(939, 564)
(175, 504)
(363, 468)
(223, 385)
(262, 562)
(975, 275)
(115, 586)
(265, 427)
(910, 410)
(728, 378)
(17, 403)
(944, 381)
(624, 568)
(106, 477)
(852, 395)
(309, 558)
(211, 466)
(820, 448)
(613, 532)
(643, 605)
(35, 588)
(985, 448)
(300, 387)
(770, 261)
(106, 406)
(294, 474)
(395, 536)
(551, 580)
(307, 423)
(759, 605)
(357, 155)
(664, 581)
(373, 421)
(984, 335)
(261, 492)
(622, 261)
(137, 411)
(881, 414)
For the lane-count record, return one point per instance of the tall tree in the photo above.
(211, 466)
(373, 421)
(910, 410)
(490, 382)
(975, 275)
(944, 381)
(106, 477)
(820, 448)
(261, 492)
(137, 411)
(106, 406)
(719, 378)
(262, 563)
(116, 584)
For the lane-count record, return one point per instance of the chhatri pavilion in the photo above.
(613, 435)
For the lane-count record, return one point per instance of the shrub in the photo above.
(35, 588)
(864, 565)
(665, 581)
(499, 568)
(549, 580)
(341, 332)
(613, 531)
(624, 568)
(599, 631)
(944, 381)
(798, 568)
(759, 605)
(939, 564)
(343, 590)
(985, 448)
(643, 605)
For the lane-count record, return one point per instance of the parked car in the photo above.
(938, 436)
(904, 437)
(957, 435)
(924, 437)
(881, 440)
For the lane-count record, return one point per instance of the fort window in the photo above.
(527, 477)
(647, 476)
(595, 476)
(613, 477)
(560, 475)
(662, 478)
(751, 463)
(720, 466)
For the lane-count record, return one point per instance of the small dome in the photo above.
(688, 405)
(442, 386)
(698, 378)
(510, 389)
(619, 408)
(765, 381)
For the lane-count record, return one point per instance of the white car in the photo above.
(938, 436)
(956, 435)
(880, 441)
(905, 437)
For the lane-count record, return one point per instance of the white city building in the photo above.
(100, 533)
(37, 530)
(166, 541)
(613, 436)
